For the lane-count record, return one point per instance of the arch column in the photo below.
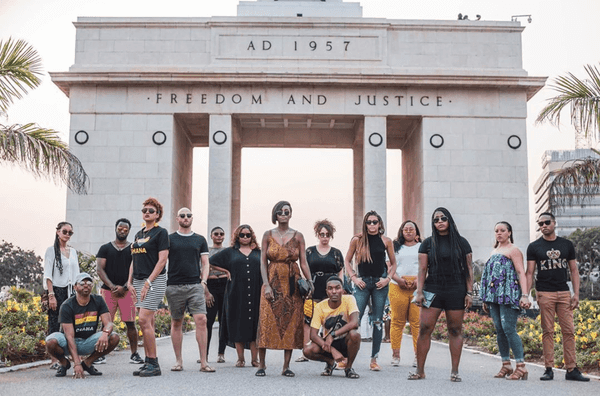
(374, 165)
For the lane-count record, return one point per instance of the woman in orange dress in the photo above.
(281, 306)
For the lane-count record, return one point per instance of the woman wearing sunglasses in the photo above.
(148, 278)
(217, 283)
(242, 298)
(373, 276)
(61, 267)
(281, 306)
(503, 292)
(446, 277)
(324, 262)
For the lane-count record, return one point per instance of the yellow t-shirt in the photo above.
(332, 319)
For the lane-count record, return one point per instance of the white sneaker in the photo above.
(395, 361)
(100, 360)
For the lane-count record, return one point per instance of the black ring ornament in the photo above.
(82, 137)
(159, 138)
(219, 137)
(441, 140)
(511, 139)
(375, 139)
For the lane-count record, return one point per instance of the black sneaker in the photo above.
(91, 369)
(548, 374)
(62, 370)
(152, 370)
(136, 358)
(575, 375)
(142, 368)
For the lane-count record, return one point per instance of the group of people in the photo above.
(255, 290)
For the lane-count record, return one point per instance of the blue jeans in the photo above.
(378, 298)
(505, 320)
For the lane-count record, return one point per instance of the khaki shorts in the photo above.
(181, 297)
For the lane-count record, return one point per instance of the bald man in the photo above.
(186, 285)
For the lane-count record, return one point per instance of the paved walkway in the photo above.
(476, 370)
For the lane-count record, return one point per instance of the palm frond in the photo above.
(41, 152)
(581, 96)
(20, 66)
(575, 183)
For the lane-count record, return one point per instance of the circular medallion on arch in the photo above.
(159, 138)
(375, 139)
(219, 137)
(82, 137)
(514, 142)
(436, 140)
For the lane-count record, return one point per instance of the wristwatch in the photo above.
(332, 333)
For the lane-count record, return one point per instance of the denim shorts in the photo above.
(85, 346)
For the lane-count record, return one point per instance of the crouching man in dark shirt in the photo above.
(79, 317)
(338, 316)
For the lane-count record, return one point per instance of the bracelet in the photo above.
(470, 293)
(50, 294)
(525, 295)
(106, 331)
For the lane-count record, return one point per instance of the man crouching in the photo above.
(338, 316)
(79, 317)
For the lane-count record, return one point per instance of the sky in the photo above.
(562, 37)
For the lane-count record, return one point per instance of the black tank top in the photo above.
(375, 269)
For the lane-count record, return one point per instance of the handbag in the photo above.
(44, 301)
(304, 287)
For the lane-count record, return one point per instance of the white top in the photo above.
(70, 268)
(407, 259)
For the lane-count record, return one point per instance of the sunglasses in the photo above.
(374, 222)
(282, 213)
(218, 233)
(245, 235)
(85, 283)
(65, 232)
(438, 219)
(149, 210)
(184, 215)
(324, 235)
(546, 222)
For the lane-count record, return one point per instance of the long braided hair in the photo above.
(57, 258)
(458, 262)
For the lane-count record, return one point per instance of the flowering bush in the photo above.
(23, 328)
(479, 331)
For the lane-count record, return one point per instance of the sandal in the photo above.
(350, 373)
(328, 369)
(454, 377)
(519, 374)
(91, 369)
(301, 359)
(207, 369)
(415, 376)
(260, 373)
(177, 367)
(374, 366)
(504, 371)
(288, 373)
(240, 363)
(221, 359)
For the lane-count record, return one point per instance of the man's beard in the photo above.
(122, 238)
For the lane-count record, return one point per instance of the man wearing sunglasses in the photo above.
(113, 261)
(80, 316)
(186, 286)
(554, 258)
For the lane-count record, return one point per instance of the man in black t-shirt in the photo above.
(113, 261)
(186, 285)
(554, 259)
(79, 317)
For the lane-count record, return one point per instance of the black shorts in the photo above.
(450, 300)
(340, 346)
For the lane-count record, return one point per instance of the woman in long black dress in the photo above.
(242, 260)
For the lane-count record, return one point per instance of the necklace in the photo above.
(281, 236)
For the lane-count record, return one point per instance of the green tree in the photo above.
(579, 180)
(19, 267)
(38, 150)
(587, 250)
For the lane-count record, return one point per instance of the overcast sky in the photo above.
(563, 36)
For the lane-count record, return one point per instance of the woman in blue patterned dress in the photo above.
(503, 291)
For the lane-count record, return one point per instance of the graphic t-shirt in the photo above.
(333, 319)
(184, 258)
(84, 319)
(145, 249)
(117, 263)
(552, 262)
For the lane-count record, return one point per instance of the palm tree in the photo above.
(580, 180)
(38, 150)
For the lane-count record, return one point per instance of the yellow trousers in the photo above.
(403, 310)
